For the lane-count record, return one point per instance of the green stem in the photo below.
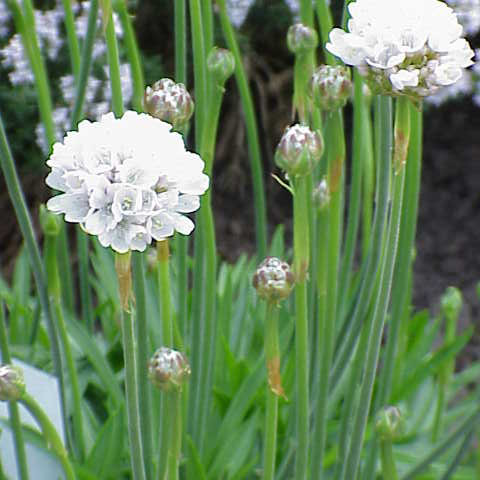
(72, 40)
(274, 389)
(24, 220)
(403, 269)
(360, 125)
(86, 63)
(174, 399)
(306, 12)
(84, 275)
(301, 259)
(13, 413)
(448, 441)
(463, 449)
(252, 133)
(347, 338)
(122, 265)
(51, 263)
(336, 158)
(180, 42)
(402, 135)
(143, 349)
(325, 21)
(114, 65)
(133, 55)
(208, 30)
(389, 471)
(51, 436)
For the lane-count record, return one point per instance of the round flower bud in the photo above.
(452, 302)
(321, 194)
(331, 86)
(49, 222)
(168, 369)
(389, 424)
(221, 64)
(12, 383)
(301, 39)
(273, 280)
(299, 150)
(169, 101)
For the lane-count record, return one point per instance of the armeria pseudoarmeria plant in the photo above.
(412, 48)
(126, 180)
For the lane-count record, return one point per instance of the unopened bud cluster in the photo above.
(221, 64)
(299, 150)
(12, 383)
(452, 302)
(301, 39)
(331, 87)
(168, 369)
(389, 424)
(169, 101)
(273, 280)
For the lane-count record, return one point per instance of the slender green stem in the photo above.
(301, 260)
(402, 135)
(72, 39)
(389, 470)
(447, 442)
(13, 413)
(463, 449)
(51, 264)
(208, 30)
(84, 275)
(24, 220)
(51, 436)
(143, 349)
(274, 389)
(349, 335)
(174, 399)
(180, 42)
(403, 270)
(133, 55)
(114, 65)
(122, 265)
(325, 21)
(86, 63)
(336, 158)
(360, 125)
(252, 133)
(306, 12)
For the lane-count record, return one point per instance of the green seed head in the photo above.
(273, 280)
(221, 64)
(452, 302)
(169, 101)
(49, 222)
(12, 383)
(299, 150)
(168, 369)
(301, 39)
(331, 86)
(390, 424)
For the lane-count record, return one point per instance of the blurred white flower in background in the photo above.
(126, 180)
(412, 48)
(237, 11)
(468, 14)
(4, 19)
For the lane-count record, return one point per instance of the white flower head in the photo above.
(127, 180)
(412, 47)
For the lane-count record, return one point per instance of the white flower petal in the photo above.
(183, 224)
(75, 206)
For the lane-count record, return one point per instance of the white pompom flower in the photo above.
(127, 180)
(412, 47)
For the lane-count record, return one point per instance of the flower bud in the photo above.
(299, 150)
(169, 101)
(301, 39)
(273, 280)
(389, 423)
(12, 383)
(321, 195)
(221, 64)
(452, 302)
(168, 369)
(49, 222)
(331, 86)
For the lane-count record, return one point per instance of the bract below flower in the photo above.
(412, 47)
(127, 180)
